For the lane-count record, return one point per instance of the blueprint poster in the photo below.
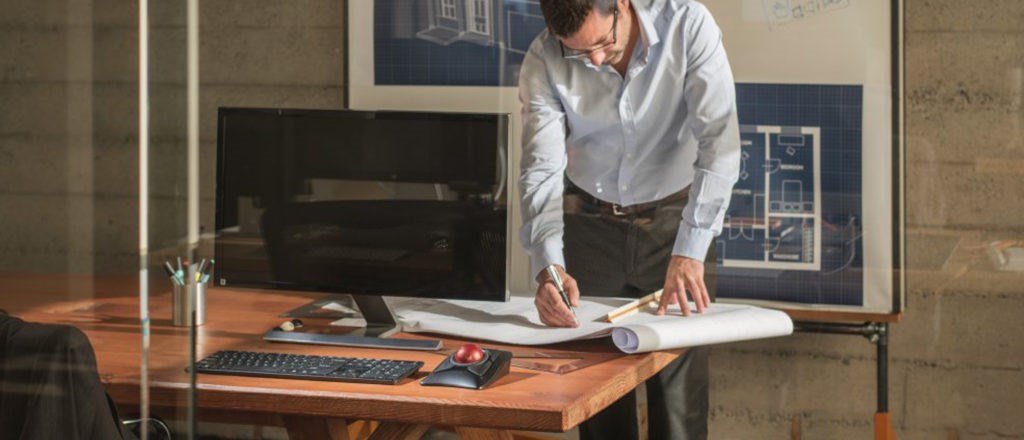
(452, 42)
(792, 232)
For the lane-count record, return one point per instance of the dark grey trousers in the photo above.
(627, 256)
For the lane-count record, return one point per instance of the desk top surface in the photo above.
(108, 312)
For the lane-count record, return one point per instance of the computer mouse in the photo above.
(470, 367)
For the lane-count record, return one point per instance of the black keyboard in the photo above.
(298, 366)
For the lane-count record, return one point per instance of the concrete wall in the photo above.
(68, 192)
(957, 358)
(69, 123)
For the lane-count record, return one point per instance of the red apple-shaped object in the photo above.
(469, 354)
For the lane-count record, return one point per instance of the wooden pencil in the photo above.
(633, 306)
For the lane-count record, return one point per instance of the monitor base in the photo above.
(380, 323)
(350, 340)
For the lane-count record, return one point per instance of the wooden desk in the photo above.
(523, 400)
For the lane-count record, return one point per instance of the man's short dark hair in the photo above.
(565, 17)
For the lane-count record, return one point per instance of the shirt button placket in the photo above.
(628, 146)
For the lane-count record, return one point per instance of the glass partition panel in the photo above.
(173, 298)
(239, 55)
(75, 278)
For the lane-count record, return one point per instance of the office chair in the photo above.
(49, 384)
(160, 426)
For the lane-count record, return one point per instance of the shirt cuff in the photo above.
(548, 253)
(693, 242)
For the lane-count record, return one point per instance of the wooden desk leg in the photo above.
(398, 431)
(315, 428)
(483, 434)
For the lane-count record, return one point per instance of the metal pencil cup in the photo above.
(184, 300)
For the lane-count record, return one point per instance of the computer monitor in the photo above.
(367, 203)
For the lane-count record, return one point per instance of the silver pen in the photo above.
(553, 273)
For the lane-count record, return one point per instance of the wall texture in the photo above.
(957, 359)
(69, 123)
(68, 192)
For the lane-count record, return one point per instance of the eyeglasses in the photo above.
(574, 54)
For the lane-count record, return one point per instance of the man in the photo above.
(630, 150)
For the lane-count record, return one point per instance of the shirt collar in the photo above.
(647, 12)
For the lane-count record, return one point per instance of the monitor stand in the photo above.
(380, 323)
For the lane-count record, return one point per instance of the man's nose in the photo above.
(597, 57)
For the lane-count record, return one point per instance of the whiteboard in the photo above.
(815, 86)
(816, 222)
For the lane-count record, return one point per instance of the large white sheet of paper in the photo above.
(517, 322)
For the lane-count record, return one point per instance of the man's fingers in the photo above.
(566, 317)
(552, 310)
(666, 295)
(669, 297)
(549, 316)
(695, 286)
(700, 295)
(572, 290)
(685, 306)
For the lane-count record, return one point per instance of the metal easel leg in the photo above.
(883, 421)
(877, 333)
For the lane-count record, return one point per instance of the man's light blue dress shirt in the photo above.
(669, 123)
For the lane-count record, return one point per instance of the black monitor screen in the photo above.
(361, 202)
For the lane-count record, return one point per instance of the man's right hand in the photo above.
(550, 306)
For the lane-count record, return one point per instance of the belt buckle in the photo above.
(617, 210)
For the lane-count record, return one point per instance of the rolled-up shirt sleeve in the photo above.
(710, 96)
(543, 163)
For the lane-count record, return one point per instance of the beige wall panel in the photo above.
(791, 379)
(939, 135)
(736, 422)
(35, 54)
(951, 329)
(35, 110)
(978, 402)
(35, 13)
(272, 55)
(261, 13)
(29, 166)
(961, 15)
(116, 168)
(115, 50)
(959, 196)
(34, 223)
(982, 281)
(762, 389)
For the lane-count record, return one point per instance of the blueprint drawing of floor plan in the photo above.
(793, 231)
(774, 219)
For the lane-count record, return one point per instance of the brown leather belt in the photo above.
(619, 210)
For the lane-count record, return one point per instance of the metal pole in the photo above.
(877, 333)
(883, 368)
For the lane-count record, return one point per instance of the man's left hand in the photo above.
(684, 275)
